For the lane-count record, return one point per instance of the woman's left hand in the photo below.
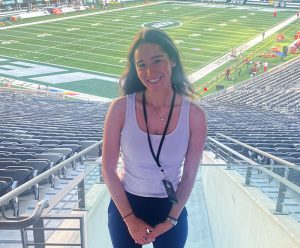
(159, 229)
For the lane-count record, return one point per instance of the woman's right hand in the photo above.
(138, 229)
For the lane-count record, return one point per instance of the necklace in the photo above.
(163, 117)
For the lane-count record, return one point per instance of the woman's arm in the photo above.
(110, 156)
(198, 131)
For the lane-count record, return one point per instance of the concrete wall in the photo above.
(97, 235)
(241, 217)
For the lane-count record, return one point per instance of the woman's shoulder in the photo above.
(195, 106)
(118, 104)
(197, 112)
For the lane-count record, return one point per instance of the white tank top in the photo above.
(139, 172)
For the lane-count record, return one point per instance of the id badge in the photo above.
(170, 191)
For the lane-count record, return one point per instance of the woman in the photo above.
(160, 136)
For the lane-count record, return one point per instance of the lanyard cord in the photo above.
(156, 157)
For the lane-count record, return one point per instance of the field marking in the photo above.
(24, 69)
(139, 6)
(92, 48)
(59, 57)
(73, 17)
(76, 52)
(44, 48)
(227, 57)
(104, 43)
(72, 77)
(162, 24)
(57, 46)
(38, 73)
(49, 64)
(121, 59)
(98, 54)
(93, 36)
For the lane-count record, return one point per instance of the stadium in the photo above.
(60, 64)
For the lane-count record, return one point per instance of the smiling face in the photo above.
(153, 66)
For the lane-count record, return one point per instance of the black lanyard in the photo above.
(156, 157)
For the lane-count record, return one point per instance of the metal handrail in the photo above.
(284, 182)
(41, 229)
(26, 222)
(265, 154)
(260, 167)
(10, 195)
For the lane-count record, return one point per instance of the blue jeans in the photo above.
(153, 211)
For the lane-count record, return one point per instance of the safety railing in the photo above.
(39, 229)
(37, 220)
(14, 193)
(23, 222)
(232, 157)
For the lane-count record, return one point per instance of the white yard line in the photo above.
(77, 16)
(227, 57)
(69, 67)
(57, 57)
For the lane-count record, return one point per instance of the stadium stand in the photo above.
(39, 133)
(263, 112)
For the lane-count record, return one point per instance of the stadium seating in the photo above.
(39, 132)
(263, 112)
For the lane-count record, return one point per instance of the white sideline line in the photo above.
(77, 16)
(227, 57)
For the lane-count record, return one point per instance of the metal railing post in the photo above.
(24, 238)
(82, 238)
(248, 176)
(81, 195)
(229, 161)
(280, 198)
(38, 234)
(101, 179)
(216, 152)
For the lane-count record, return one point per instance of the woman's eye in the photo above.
(140, 66)
(157, 61)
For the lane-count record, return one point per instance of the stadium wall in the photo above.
(241, 217)
(96, 223)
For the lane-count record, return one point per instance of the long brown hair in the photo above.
(130, 81)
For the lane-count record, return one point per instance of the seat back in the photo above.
(40, 166)
(4, 188)
(54, 158)
(66, 152)
(4, 164)
(20, 175)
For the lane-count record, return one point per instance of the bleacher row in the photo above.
(279, 90)
(38, 132)
(259, 114)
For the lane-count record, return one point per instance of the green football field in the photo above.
(98, 43)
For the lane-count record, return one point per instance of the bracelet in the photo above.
(172, 220)
(127, 215)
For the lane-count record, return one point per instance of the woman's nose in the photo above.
(149, 70)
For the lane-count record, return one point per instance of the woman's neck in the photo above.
(159, 99)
